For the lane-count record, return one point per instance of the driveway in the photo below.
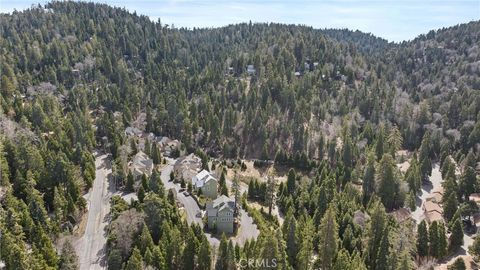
(434, 184)
(247, 230)
(91, 246)
(191, 206)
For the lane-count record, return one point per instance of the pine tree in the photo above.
(394, 140)
(269, 250)
(149, 119)
(424, 157)
(290, 234)
(236, 190)
(159, 258)
(433, 238)
(412, 201)
(405, 262)
(156, 155)
(115, 259)
(135, 261)
(375, 229)
(148, 257)
(456, 237)
(155, 184)
(413, 176)
(343, 261)
(347, 156)
(442, 241)
(223, 262)
(458, 264)
(141, 194)
(291, 181)
(145, 240)
(148, 147)
(130, 182)
(369, 178)
(469, 182)
(383, 253)
(270, 193)
(204, 256)
(188, 255)
(450, 206)
(422, 239)
(68, 258)
(328, 239)
(387, 184)
(306, 246)
(321, 147)
(223, 184)
(379, 145)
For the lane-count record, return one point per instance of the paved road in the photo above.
(247, 230)
(91, 247)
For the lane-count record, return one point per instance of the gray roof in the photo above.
(142, 163)
(202, 178)
(223, 202)
(220, 204)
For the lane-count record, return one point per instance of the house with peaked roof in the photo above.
(432, 211)
(251, 70)
(205, 182)
(141, 164)
(221, 214)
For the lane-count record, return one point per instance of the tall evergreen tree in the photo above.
(305, 253)
(388, 188)
(422, 239)
(442, 241)
(375, 229)
(291, 181)
(383, 256)
(456, 237)
(204, 256)
(368, 184)
(135, 261)
(434, 239)
(328, 239)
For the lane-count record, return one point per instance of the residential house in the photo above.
(167, 145)
(475, 197)
(307, 67)
(187, 167)
(432, 211)
(133, 131)
(251, 70)
(141, 164)
(437, 196)
(205, 182)
(221, 214)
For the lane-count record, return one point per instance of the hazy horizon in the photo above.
(392, 20)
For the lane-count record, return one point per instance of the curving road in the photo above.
(91, 246)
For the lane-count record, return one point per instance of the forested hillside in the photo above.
(336, 105)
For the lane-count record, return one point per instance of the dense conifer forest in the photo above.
(333, 107)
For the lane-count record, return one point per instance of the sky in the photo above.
(394, 20)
